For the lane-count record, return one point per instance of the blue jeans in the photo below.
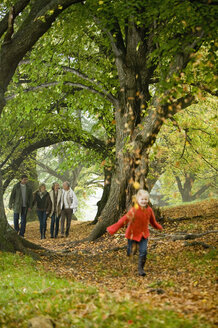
(42, 220)
(54, 223)
(143, 245)
(23, 221)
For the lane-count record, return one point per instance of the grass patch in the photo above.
(203, 259)
(160, 283)
(27, 291)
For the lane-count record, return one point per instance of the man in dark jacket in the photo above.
(21, 202)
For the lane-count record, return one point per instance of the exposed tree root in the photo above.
(192, 235)
(198, 243)
(183, 218)
(10, 241)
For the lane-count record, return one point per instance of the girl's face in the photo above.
(143, 200)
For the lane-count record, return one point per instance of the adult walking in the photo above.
(42, 200)
(69, 205)
(21, 201)
(55, 209)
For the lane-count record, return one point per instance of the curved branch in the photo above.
(49, 170)
(201, 191)
(10, 154)
(82, 75)
(85, 140)
(76, 86)
(91, 80)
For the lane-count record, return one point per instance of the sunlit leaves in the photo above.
(187, 146)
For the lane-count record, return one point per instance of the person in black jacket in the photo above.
(43, 202)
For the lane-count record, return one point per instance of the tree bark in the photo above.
(106, 192)
(135, 132)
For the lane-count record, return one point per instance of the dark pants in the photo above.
(143, 244)
(66, 213)
(23, 221)
(54, 225)
(43, 222)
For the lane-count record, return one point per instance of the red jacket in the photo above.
(138, 220)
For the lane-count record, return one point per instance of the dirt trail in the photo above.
(178, 277)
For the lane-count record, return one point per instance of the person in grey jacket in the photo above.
(21, 201)
(69, 204)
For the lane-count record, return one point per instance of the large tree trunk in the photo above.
(135, 132)
(131, 153)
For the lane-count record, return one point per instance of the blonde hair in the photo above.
(42, 185)
(142, 192)
(53, 185)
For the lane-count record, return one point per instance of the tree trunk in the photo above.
(114, 207)
(131, 153)
(186, 189)
(135, 131)
(106, 192)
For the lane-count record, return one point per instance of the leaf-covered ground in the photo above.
(179, 278)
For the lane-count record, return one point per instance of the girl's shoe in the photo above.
(142, 260)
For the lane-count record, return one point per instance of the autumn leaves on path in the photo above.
(179, 277)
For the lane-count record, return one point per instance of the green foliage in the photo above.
(66, 80)
(187, 143)
(70, 303)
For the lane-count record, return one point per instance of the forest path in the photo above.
(179, 277)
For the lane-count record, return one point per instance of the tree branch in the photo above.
(111, 98)
(18, 8)
(49, 170)
(76, 86)
(205, 88)
(179, 184)
(117, 42)
(201, 190)
(10, 154)
(197, 152)
(40, 18)
(10, 29)
(51, 138)
(155, 119)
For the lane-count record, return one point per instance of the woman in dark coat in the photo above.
(43, 203)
